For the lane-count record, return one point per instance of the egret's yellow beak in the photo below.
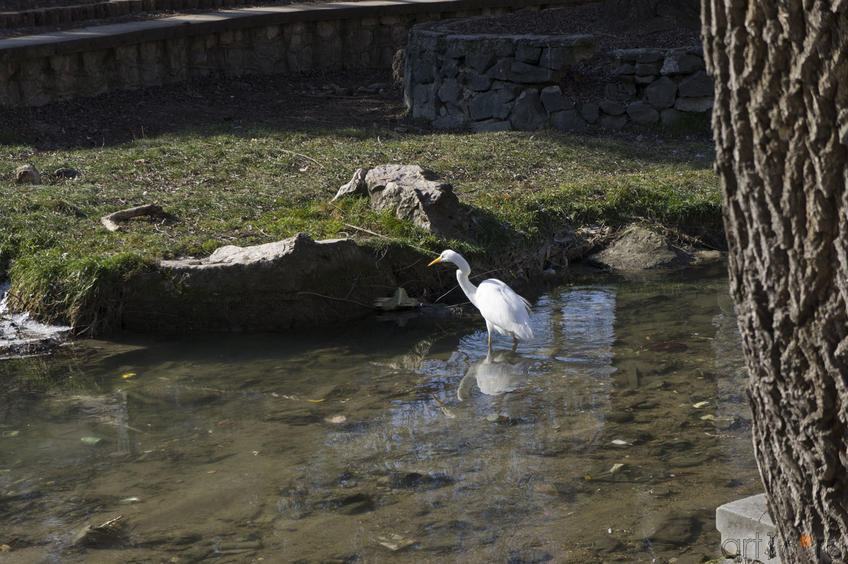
(438, 259)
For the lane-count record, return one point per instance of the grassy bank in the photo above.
(252, 186)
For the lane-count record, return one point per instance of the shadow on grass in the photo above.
(284, 103)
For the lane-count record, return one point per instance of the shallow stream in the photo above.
(613, 436)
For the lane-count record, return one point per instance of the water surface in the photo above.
(611, 437)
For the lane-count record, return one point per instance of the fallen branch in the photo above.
(367, 231)
(110, 221)
(307, 157)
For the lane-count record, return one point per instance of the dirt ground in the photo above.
(317, 100)
(302, 101)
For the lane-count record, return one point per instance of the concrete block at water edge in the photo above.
(747, 530)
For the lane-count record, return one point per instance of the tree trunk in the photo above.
(781, 128)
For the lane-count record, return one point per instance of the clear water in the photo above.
(391, 441)
(20, 335)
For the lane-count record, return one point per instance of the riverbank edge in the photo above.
(128, 291)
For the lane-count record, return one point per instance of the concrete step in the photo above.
(747, 531)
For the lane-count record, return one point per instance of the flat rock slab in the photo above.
(295, 282)
(639, 249)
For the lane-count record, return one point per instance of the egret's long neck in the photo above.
(463, 270)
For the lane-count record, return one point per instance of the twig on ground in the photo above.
(386, 237)
(110, 221)
(307, 157)
(367, 231)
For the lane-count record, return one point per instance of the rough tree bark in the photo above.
(781, 129)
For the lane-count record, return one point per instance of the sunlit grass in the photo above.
(256, 186)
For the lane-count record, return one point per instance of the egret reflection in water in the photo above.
(495, 375)
(329, 446)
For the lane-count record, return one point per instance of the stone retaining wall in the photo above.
(500, 82)
(39, 69)
(656, 85)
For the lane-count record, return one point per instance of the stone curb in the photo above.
(115, 35)
(84, 62)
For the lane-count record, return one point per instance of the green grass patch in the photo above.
(253, 186)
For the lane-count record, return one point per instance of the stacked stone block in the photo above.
(501, 82)
(490, 82)
(660, 85)
(279, 39)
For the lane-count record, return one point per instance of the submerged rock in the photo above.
(417, 480)
(109, 534)
(676, 530)
(639, 248)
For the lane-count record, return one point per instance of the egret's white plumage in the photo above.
(504, 311)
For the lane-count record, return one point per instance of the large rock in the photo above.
(642, 113)
(491, 104)
(571, 49)
(701, 104)
(590, 111)
(423, 98)
(620, 90)
(449, 91)
(27, 174)
(528, 114)
(529, 74)
(697, 85)
(553, 100)
(415, 194)
(450, 117)
(638, 249)
(611, 107)
(280, 285)
(568, 120)
(661, 93)
(681, 62)
(475, 81)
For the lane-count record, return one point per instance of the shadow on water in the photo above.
(612, 436)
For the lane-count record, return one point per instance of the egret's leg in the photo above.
(514, 343)
(489, 329)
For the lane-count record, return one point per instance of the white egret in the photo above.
(504, 311)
